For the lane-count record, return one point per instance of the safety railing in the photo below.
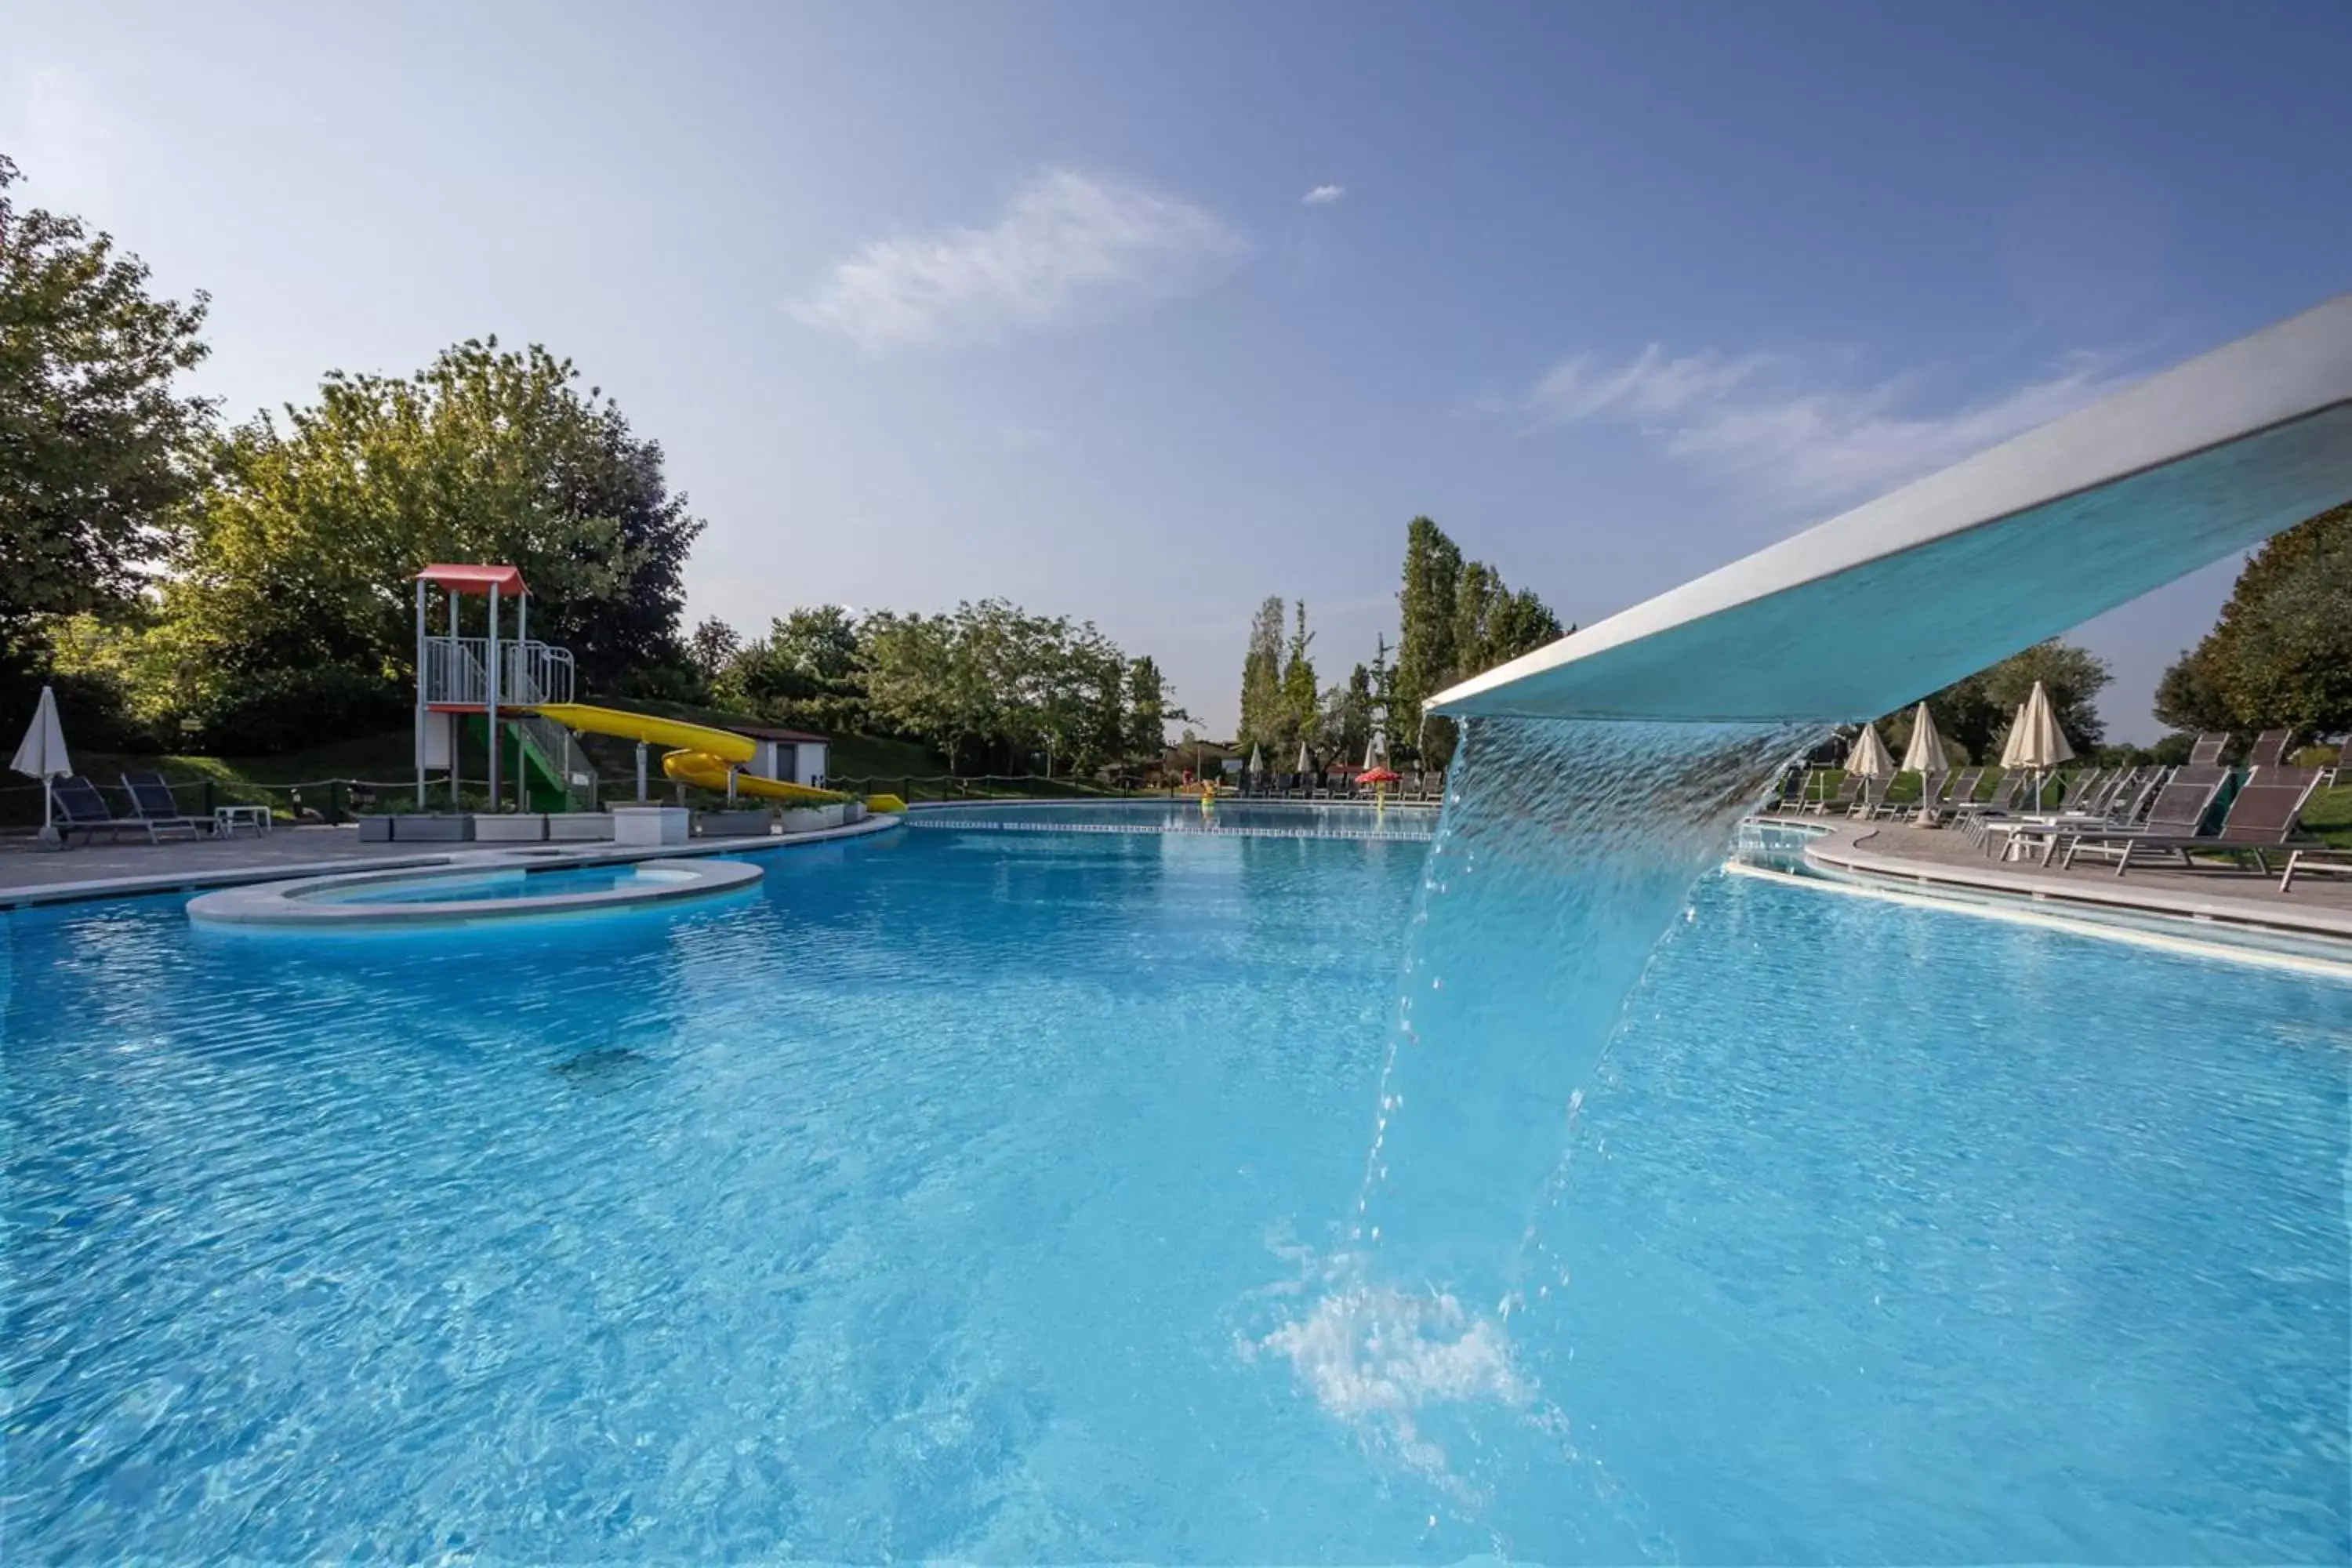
(456, 670)
(535, 672)
(561, 753)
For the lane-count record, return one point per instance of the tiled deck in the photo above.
(2319, 905)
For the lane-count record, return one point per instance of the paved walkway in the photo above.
(2319, 906)
(24, 863)
(31, 874)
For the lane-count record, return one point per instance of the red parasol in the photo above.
(1379, 776)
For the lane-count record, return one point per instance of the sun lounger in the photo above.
(2262, 817)
(2207, 751)
(78, 807)
(1963, 793)
(2312, 860)
(152, 804)
(1841, 801)
(1971, 819)
(2072, 800)
(2270, 749)
(2134, 794)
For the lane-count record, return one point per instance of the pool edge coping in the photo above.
(585, 852)
(1839, 848)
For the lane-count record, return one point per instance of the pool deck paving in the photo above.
(31, 874)
(2210, 894)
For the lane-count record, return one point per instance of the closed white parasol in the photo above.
(1868, 755)
(2036, 741)
(1925, 755)
(42, 756)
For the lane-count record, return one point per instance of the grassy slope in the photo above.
(387, 759)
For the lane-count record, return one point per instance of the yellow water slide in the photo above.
(701, 756)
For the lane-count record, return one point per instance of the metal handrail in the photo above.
(456, 670)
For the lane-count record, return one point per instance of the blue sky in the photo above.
(1142, 313)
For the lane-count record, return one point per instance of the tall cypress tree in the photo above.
(1425, 654)
(1261, 678)
(1300, 696)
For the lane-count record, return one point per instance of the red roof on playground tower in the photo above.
(474, 579)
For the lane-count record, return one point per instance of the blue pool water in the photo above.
(495, 886)
(986, 1195)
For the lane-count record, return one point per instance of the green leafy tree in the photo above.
(96, 444)
(1150, 709)
(1458, 619)
(2280, 655)
(301, 553)
(808, 671)
(1973, 713)
(1347, 717)
(1261, 724)
(1301, 704)
(1426, 609)
(713, 646)
(997, 688)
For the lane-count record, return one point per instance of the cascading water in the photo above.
(1564, 849)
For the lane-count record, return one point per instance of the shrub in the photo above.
(283, 710)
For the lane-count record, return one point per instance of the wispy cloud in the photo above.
(1324, 196)
(1067, 246)
(1774, 422)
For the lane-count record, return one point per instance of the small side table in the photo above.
(227, 820)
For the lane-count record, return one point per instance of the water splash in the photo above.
(1565, 850)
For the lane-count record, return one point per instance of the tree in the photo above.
(1425, 613)
(1973, 713)
(2073, 677)
(2280, 654)
(301, 551)
(1458, 619)
(96, 447)
(1261, 721)
(712, 646)
(1300, 696)
(992, 685)
(1350, 727)
(1150, 709)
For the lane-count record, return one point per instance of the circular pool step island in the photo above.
(524, 886)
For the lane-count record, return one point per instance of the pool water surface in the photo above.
(973, 1195)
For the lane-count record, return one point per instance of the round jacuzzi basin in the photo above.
(462, 895)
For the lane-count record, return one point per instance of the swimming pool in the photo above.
(494, 885)
(977, 1195)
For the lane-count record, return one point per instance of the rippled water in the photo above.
(971, 1195)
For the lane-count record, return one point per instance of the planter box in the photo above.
(834, 814)
(417, 829)
(650, 826)
(733, 824)
(579, 826)
(854, 812)
(518, 828)
(802, 820)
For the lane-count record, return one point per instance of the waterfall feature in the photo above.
(1599, 777)
(1566, 848)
